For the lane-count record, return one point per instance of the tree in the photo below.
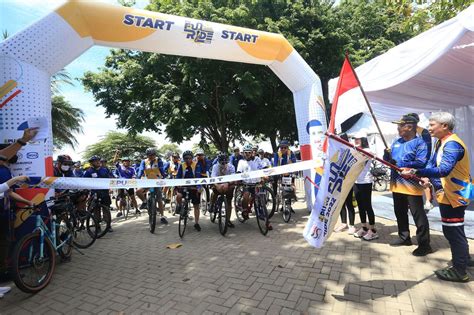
(209, 150)
(168, 147)
(127, 144)
(66, 121)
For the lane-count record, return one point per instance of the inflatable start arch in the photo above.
(30, 57)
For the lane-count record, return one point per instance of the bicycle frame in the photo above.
(44, 231)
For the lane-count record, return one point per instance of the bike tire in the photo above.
(238, 204)
(84, 224)
(287, 210)
(221, 209)
(261, 215)
(204, 201)
(103, 217)
(271, 200)
(32, 242)
(183, 220)
(213, 213)
(276, 203)
(380, 185)
(64, 233)
(152, 214)
(128, 207)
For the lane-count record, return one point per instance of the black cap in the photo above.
(406, 119)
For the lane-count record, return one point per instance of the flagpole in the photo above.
(371, 155)
(367, 102)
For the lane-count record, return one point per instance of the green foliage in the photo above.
(210, 150)
(168, 147)
(115, 141)
(66, 122)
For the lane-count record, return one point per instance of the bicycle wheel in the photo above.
(152, 213)
(276, 202)
(33, 263)
(64, 237)
(238, 204)
(262, 216)
(213, 212)
(85, 229)
(287, 210)
(380, 184)
(221, 210)
(128, 206)
(103, 217)
(183, 220)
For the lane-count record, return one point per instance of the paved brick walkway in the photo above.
(132, 271)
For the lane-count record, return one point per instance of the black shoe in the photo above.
(292, 211)
(230, 224)
(6, 276)
(138, 212)
(470, 263)
(119, 214)
(110, 230)
(143, 206)
(197, 227)
(400, 242)
(163, 220)
(422, 251)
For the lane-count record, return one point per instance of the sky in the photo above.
(16, 15)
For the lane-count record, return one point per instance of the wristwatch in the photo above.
(21, 142)
(413, 171)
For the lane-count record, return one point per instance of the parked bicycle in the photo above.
(284, 197)
(152, 209)
(381, 177)
(219, 210)
(34, 257)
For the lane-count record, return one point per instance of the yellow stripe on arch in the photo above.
(104, 22)
(268, 47)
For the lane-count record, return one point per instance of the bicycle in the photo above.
(204, 205)
(219, 209)
(101, 214)
(151, 206)
(34, 257)
(127, 199)
(85, 226)
(171, 197)
(183, 213)
(259, 203)
(284, 197)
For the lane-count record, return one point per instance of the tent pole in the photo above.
(368, 104)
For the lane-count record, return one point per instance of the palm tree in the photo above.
(66, 119)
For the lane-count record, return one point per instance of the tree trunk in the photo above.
(273, 142)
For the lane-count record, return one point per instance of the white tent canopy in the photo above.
(433, 71)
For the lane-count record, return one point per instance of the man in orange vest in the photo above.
(448, 173)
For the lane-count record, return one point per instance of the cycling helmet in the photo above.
(175, 155)
(247, 148)
(150, 151)
(284, 143)
(222, 157)
(64, 158)
(199, 152)
(260, 151)
(126, 158)
(103, 160)
(94, 158)
(187, 153)
(255, 147)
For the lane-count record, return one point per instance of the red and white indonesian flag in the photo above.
(341, 169)
(349, 109)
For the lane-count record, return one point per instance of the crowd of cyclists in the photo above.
(182, 166)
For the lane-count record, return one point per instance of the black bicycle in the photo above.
(151, 206)
(101, 213)
(219, 210)
(183, 212)
(381, 177)
(284, 197)
(259, 203)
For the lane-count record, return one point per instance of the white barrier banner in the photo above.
(113, 183)
(341, 169)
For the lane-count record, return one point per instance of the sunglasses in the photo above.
(188, 158)
(223, 163)
(283, 148)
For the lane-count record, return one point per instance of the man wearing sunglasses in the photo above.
(282, 157)
(190, 169)
(222, 168)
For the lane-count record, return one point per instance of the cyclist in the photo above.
(63, 166)
(247, 164)
(205, 166)
(236, 157)
(151, 168)
(265, 162)
(171, 169)
(255, 150)
(77, 171)
(137, 163)
(282, 157)
(190, 169)
(125, 170)
(97, 171)
(216, 160)
(222, 168)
